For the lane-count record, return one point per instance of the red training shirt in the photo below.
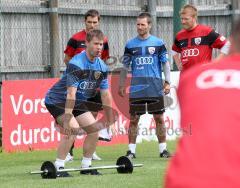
(197, 44)
(209, 102)
(76, 45)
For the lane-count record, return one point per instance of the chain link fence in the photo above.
(25, 28)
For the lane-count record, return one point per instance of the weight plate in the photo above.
(124, 160)
(51, 170)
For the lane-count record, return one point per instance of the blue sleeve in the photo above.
(104, 83)
(73, 75)
(163, 55)
(127, 57)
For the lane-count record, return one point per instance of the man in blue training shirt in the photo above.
(67, 101)
(146, 55)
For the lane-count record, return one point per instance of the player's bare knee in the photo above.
(72, 137)
(134, 120)
(93, 135)
(133, 127)
(159, 120)
(94, 128)
(69, 137)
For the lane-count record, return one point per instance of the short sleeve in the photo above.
(163, 55)
(127, 57)
(176, 46)
(71, 47)
(217, 40)
(104, 83)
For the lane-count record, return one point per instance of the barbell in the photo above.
(123, 165)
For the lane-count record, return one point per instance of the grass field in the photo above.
(14, 168)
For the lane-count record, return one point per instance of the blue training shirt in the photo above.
(83, 74)
(145, 57)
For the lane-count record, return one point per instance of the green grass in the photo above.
(14, 168)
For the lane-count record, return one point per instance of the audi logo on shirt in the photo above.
(87, 85)
(143, 61)
(190, 52)
(227, 79)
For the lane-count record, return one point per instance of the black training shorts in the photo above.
(155, 105)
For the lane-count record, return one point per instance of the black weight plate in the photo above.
(126, 161)
(51, 170)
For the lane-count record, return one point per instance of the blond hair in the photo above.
(188, 7)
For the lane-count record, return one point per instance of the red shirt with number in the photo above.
(196, 45)
(208, 153)
(76, 44)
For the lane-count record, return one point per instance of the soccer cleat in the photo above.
(69, 158)
(96, 157)
(90, 172)
(105, 135)
(165, 154)
(104, 139)
(63, 174)
(130, 154)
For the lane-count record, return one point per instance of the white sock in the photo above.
(162, 147)
(59, 163)
(86, 162)
(132, 148)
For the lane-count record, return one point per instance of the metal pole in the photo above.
(84, 169)
(235, 9)
(54, 38)
(177, 5)
(152, 4)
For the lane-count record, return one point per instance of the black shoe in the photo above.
(90, 172)
(104, 139)
(165, 154)
(63, 174)
(131, 155)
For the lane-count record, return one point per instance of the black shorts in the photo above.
(155, 105)
(59, 109)
(93, 104)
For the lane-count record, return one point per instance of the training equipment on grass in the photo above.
(123, 165)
